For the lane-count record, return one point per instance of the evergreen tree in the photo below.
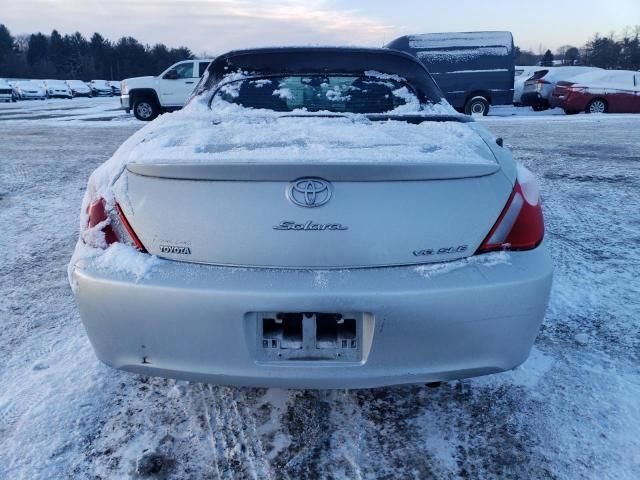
(38, 48)
(547, 59)
(603, 52)
(629, 58)
(6, 44)
(571, 56)
(58, 53)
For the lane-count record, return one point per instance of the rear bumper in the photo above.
(556, 101)
(533, 99)
(194, 322)
(125, 102)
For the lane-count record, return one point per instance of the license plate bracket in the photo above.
(309, 336)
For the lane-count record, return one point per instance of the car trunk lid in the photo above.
(305, 203)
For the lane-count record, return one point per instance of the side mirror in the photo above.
(171, 75)
(500, 141)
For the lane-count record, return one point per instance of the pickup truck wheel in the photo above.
(477, 106)
(145, 109)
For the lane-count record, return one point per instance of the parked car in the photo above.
(148, 97)
(604, 91)
(29, 90)
(474, 69)
(522, 74)
(101, 88)
(57, 89)
(6, 92)
(79, 88)
(115, 87)
(301, 228)
(538, 88)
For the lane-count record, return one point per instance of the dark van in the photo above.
(473, 69)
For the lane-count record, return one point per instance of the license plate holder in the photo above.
(309, 336)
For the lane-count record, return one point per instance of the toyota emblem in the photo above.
(309, 192)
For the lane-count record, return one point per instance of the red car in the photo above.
(608, 91)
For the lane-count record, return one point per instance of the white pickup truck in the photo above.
(150, 96)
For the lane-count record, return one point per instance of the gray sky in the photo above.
(215, 26)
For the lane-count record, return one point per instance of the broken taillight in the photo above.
(105, 227)
(520, 226)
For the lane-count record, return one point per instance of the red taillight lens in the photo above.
(105, 228)
(99, 221)
(520, 225)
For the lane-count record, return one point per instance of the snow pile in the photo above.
(411, 102)
(487, 260)
(301, 138)
(559, 74)
(609, 79)
(459, 55)
(122, 258)
(116, 258)
(462, 40)
(233, 134)
(384, 76)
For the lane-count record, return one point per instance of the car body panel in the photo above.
(29, 90)
(170, 212)
(202, 267)
(466, 64)
(170, 93)
(197, 322)
(522, 74)
(6, 91)
(79, 88)
(620, 89)
(538, 89)
(101, 88)
(57, 89)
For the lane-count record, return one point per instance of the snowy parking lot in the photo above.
(571, 411)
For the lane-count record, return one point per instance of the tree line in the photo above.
(74, 57)
(613, 51)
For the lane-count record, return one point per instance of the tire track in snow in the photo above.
(237, 446)
(15, 407)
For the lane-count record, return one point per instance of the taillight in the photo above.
(540, 83)
(106, 227)
(520, 226)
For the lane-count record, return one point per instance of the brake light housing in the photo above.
(540, 83)
(576, 88)
(520, 226)
(107, 226)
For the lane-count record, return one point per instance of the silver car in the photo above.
(313, 218)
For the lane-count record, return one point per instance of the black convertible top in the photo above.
(335, 60)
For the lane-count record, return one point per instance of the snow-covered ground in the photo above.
(571, 411)
(79, 110)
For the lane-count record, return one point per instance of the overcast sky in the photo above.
(215, 26)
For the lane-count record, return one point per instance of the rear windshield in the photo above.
(314, 93)
(539, 74)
